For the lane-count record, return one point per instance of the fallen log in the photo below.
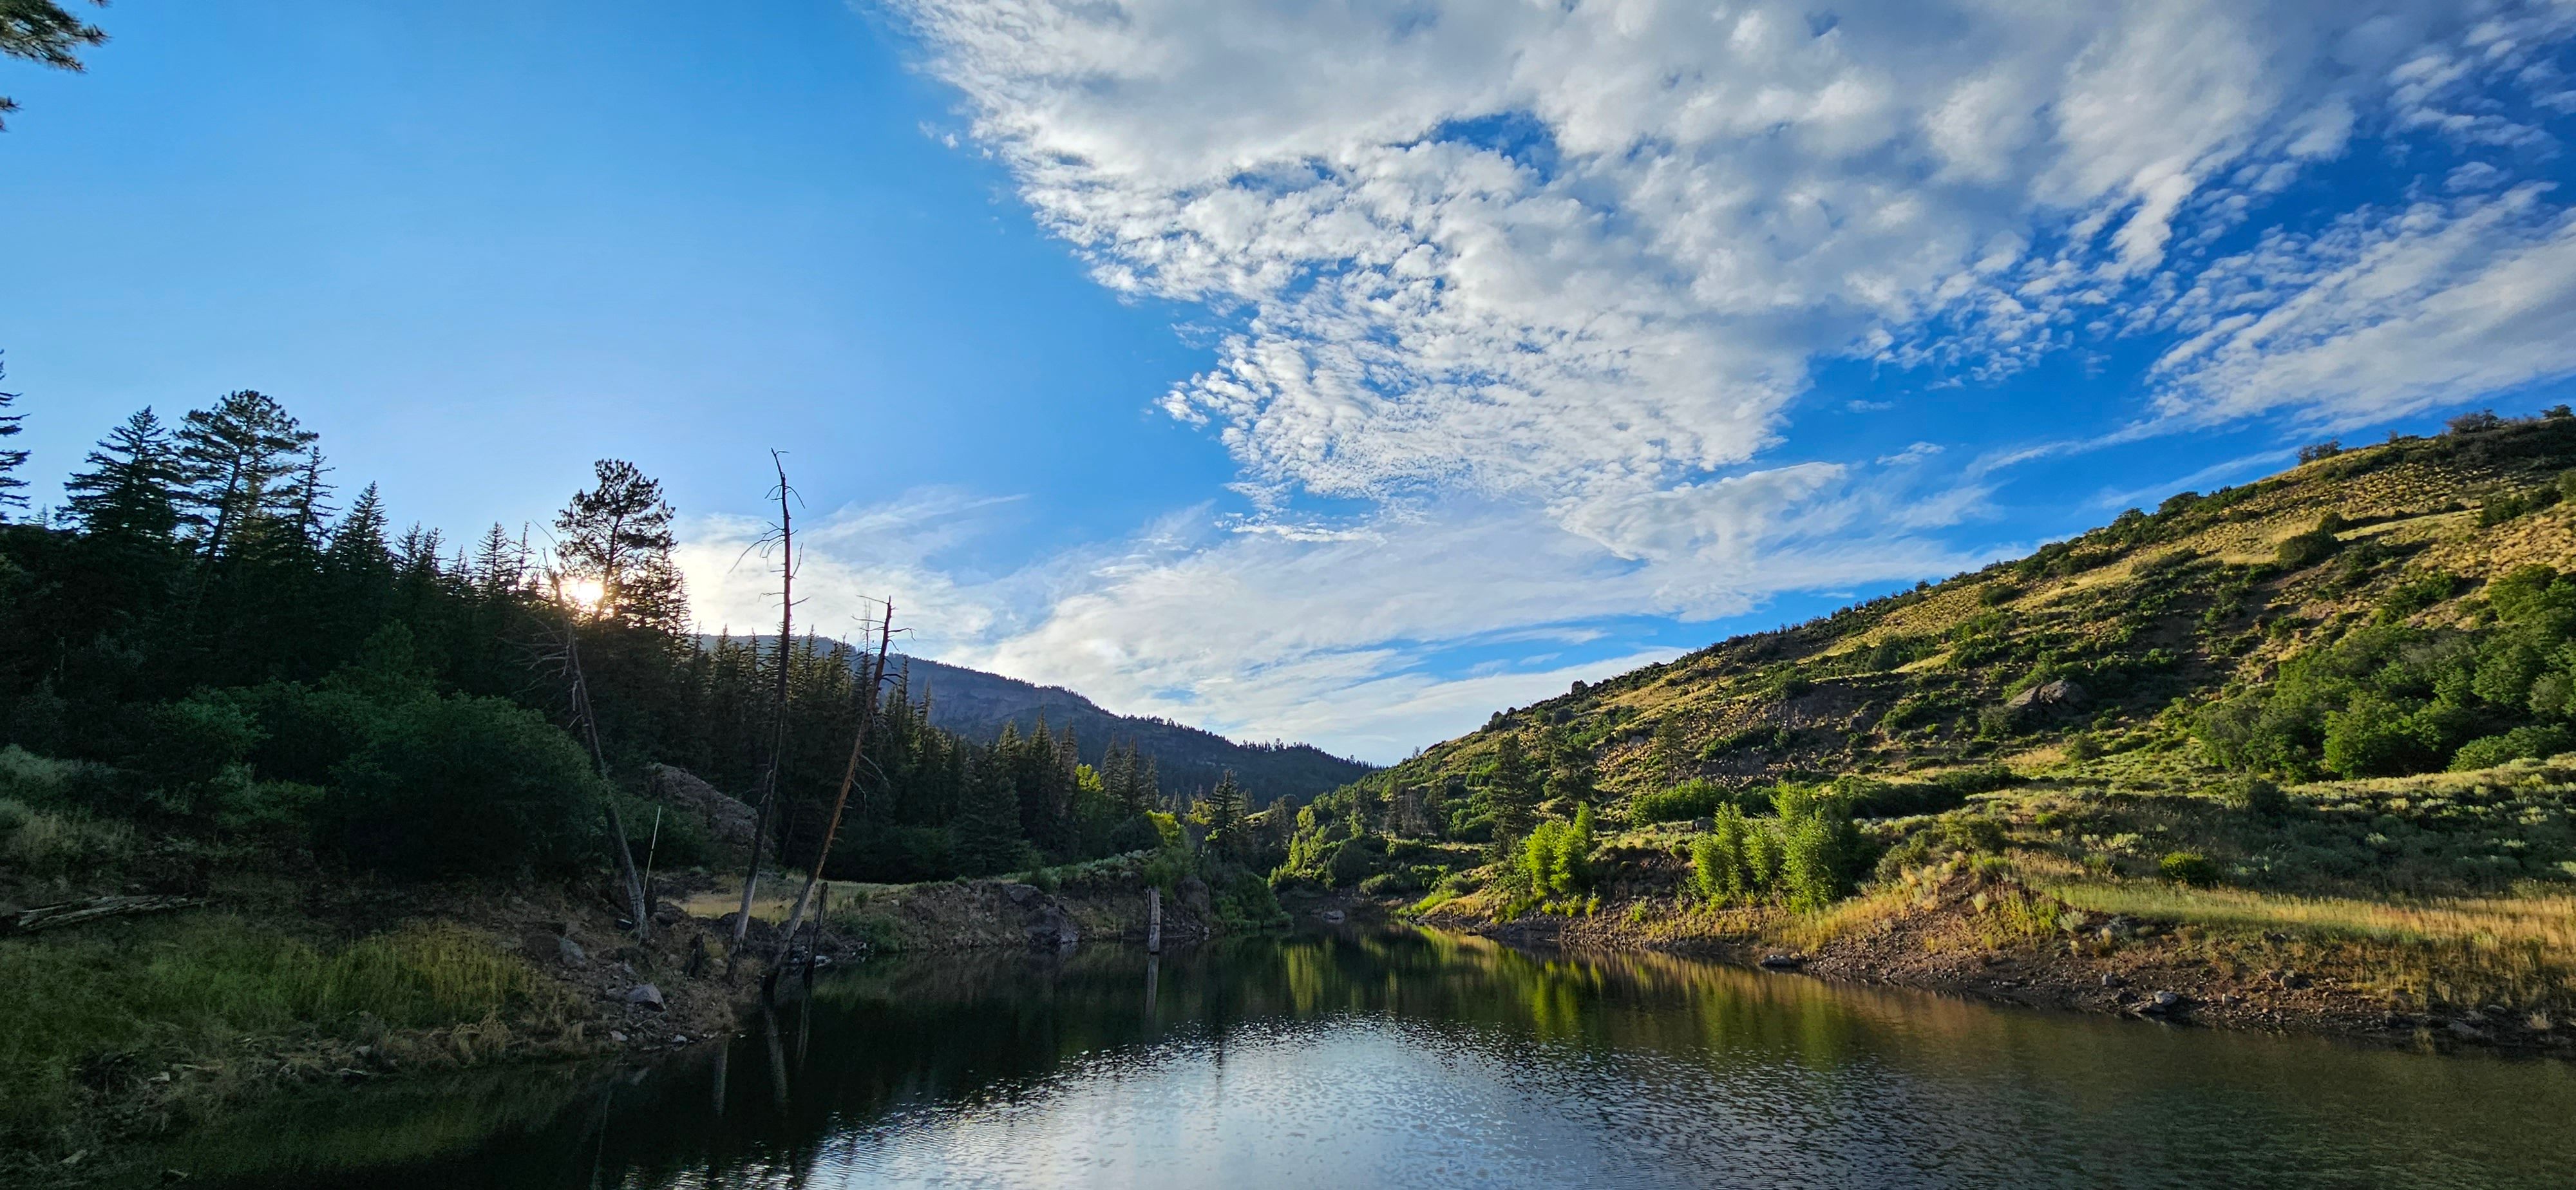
(46, 917)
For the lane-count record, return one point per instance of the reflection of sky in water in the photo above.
(1415, 1061)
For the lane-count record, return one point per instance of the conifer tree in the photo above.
(10, 460)
(126, 493)
(1223, 814)
(234, 460)
(44, 32)
(986, 831)
(619, 535)
(1511, 790)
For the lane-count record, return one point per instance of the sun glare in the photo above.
(584, 593)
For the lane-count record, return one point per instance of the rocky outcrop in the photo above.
(727, 821)
(2048, 696)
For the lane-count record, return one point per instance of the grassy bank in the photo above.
(193, 1006)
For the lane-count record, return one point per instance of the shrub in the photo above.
(2257, 796)
(2188, 867)
(2320, 450)
(1695, 798)
(194, 742)
(2520, 743)
(1557, 855)
(460, 784)
(2304, 550)
(2421, 591)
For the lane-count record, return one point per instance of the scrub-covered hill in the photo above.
(2318, 707)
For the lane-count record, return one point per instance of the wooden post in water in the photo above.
(1153, 920)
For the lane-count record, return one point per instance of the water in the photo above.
(1413, 1059)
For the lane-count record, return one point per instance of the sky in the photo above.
(1328, 371)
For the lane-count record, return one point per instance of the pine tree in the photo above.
(42, 31)
(310, 506)
(10, 460)
(126, 494)
(1511, 790)
(986, 832)
(234, 460)
(1223, 814)
(618, 534)
(500, 564)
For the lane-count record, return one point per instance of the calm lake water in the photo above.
(1414, 1059)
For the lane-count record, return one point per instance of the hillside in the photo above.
(2107, 643)
(2293, 753)
(976, 704)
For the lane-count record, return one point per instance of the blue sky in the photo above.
(1336, 371)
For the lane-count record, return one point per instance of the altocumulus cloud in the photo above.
(1538, 282)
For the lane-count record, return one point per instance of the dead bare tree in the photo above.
(770, 774)
(564, 641)
(872, 677)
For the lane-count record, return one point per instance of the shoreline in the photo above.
(2270, 984)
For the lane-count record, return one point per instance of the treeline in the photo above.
(210, 636)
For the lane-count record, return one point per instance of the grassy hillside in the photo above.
(2362, 558)
(2313, 722)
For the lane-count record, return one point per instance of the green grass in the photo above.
(90, 1008)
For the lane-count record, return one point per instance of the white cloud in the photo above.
(2385, 313)
(1539, 282)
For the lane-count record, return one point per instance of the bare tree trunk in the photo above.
(636, 906)
(769, 779)
(858, 741)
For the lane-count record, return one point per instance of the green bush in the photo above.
(2188, 867)
(1806, 855)
(2304, 550)
(1557, 855)
(2258, 796)
(1695, 798)
(194, 744)
(2519, 744)
(457, 785)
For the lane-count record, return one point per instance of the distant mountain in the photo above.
(975, 704)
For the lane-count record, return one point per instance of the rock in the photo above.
(2117, 928)
(2161, 1003)
(2112, 979)
(569, 952)
(1020, 894)
(668, 914)
(645, 995)
(2465, 1031)
(1331, 916)
(679, 1039)
(1194, 895)
(728, 820)
(619, 1038)
(2059, 693)
(1783, 962)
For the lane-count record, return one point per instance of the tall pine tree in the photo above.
(10, 460)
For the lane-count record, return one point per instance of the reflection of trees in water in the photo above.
(888, 1044)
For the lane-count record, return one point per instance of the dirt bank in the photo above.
(1955, 938)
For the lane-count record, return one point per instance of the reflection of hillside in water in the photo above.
(1379, 1053)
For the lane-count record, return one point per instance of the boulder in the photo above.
(1783, 962)
(728, 821)
(2058, 693)
(569, 952)
(645, 995)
